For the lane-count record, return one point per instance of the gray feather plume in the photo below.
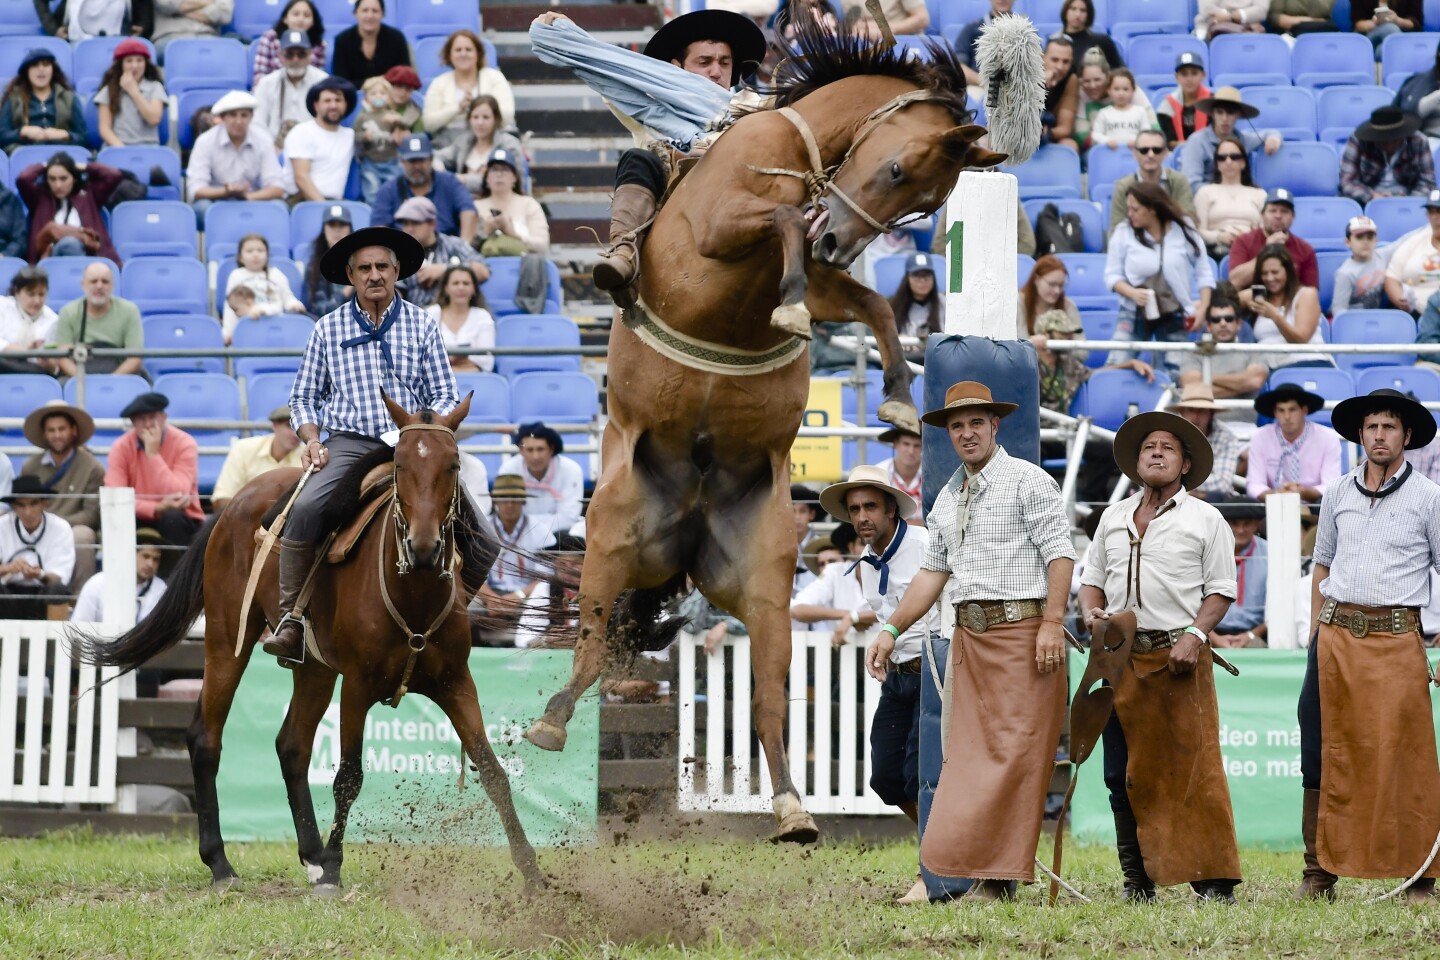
(1012, 72)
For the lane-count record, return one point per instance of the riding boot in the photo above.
(288, 643)
(1317, 882)
(1139, 888)
(630, 212)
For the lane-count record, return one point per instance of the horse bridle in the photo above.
(819, 180)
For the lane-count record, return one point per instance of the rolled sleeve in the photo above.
(1218, 561)
(1044, 513)
(937, 552)
(1097, 558)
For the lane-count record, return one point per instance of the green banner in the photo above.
(1260, 743)
(412, 761)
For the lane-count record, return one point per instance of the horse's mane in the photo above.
(820, 58)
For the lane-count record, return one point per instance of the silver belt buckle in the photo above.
(1012, 611)
(1140, 644)
(1327, 612)
(974, 617)
(1359, 625)
(1399, 620)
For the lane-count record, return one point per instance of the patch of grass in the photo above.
(73, 895)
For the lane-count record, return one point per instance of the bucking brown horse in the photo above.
(709, 373)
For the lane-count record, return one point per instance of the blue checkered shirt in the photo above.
(338, 386)
(1379, 551)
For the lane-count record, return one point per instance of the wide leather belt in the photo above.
(977, 616)
(909, 666)
(1148, 640)
(1361, 621)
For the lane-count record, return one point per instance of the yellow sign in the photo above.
(817, 459)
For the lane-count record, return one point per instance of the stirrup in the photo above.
(288, 662)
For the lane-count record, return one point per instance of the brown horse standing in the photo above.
(696, 456)
(353, 629)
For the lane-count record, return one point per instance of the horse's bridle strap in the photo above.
(410, 635)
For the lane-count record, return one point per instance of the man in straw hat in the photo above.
(1170, 558)
(1291, 455)
(375, 342)
(999, 528)
(1225, 108)
(1197, 404)
(69, 472)
(255, 455)
(1387, 156)
(1369, 808)
(515, 575)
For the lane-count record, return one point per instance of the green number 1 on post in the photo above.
(955, 248)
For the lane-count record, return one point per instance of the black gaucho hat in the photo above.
(406, 247)
(1349, 415)
(747, 42)
(145, 403)
(538, 431)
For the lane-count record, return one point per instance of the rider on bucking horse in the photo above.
(675, 99)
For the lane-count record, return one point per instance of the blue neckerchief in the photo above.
(882, 563)
(374, 333)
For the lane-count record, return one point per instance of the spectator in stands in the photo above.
(39, 553)
(832, 601)
(77, 20)
(805, 510)
(1233, 375)
(26, 322)
(14, 228)
(1360, 280)
(1285, 311)
(233, 160)
(1295, 17)
(1094, 94)
(160, 462)
(252, 456)
(1292, 455)
(301, 15)
(903, 466)
(64, 199)
(149, 588)
(1378, 19)
(1216, 17)
(1428, 330)
(69, 472)
(416, 217)
(253, 272)
(455, 212)
(175, 19)
(369, 48)
(1229, 206)
(1178, 112)
(1150, 153)
(468, 155)
(918, 303)
(40, 105)
(555, 484)
(789, 15)
(100, 319)
(1244, 623)
(522, 534)
(447, 101)
(201, 120)
(1420, 95)
(464, 321)
(1225, 107)
(321, 296)
(282, 97)
(1387, 156)
(965, 49)
(1276, 219)
(1413, 275)
(1062, 94)
(318, 153)
(906, 17)
(133, 82)
(1077, 22)
(1045, 291)
(512, 223)
(1197, 404)
(1155, 258)
(1061, 373)
(1118, 124)
(388, 116)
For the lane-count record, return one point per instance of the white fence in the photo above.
(722, 767)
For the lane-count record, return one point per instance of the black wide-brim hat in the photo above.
(1386, 124)
(1265, 403)
(406, 247)
(1349, 415)
(345, 87)
(747, 41)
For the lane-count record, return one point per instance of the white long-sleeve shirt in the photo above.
(904, 563)
(558, 494)
(831, 589)
(51, 546)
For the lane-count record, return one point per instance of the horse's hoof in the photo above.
(798, 827)
(546, 735)
(792, 318)
(900, 414)
(224, 884)
(326, 891)
(536, 885)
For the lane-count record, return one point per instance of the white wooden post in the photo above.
(1282, 524)
(117, 542)
(982, 281)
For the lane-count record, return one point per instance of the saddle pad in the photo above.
(347, 536)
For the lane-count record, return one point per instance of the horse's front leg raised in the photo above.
(792, 316)
(835, 295)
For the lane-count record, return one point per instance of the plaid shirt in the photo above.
(1017, 526)
(1363, 165)
(346, 366)
(1227, 448)
(1378, 550)
(269, 57)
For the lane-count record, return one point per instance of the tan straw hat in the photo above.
(1228, 97)
(34, 428)
(1132, 434)
(1196, 396)
(810, 553)
(832, 498)
(964, 395)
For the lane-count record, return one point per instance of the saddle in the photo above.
(376, 490)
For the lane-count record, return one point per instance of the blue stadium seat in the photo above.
(1131, 17)
(207, 396)
(1339, 110)
(253, 17)
(499, 290)
(285, 265)
(1373, 326)
(155, 228)
(183, 332)
(1322, 220)
(1108, 395)
(1151, 56)
(1092, 219)
(961, 12)
(889, 272)
(140, 160)
(13, 50)
(94, 56)
(1249, 59)
(1024, 265)
(556, 396)
(1396, 216)
(1102, 193)
(1328, 261)
(1107, 166)
(1406, 53)
(20, 393)
(1307, 169)
(874, 393)
(186, 105)
(266, 391)
(166, 284)
(19, 19)
(65, 274)
(1099, 325)
(491, 403)
(195, 62)
(283, 331)
(1431, 15)
(917, 390)
(1053, 171)
(226, 223)
(34, 153)
(306, 219)
(9, 266)
(1329, 382)
(438, 18)
(106, 394)
(1423, 382)
(1291, 110)
(1087, 281)
(536, 330)
(1332, 59)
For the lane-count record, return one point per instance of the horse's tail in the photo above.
(163, 627)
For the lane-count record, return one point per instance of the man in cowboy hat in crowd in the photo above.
(903, 467)
(37, 553)
(319, 151)
(1369, 807)
(667, 112)
(149, 588)
(894, 552)
(555, 484)
(1276, 219)
(374, 343)
(1233, 376)
(251, 457)
(999, 528)
(1225, 107)
(70, 473)
(1197, 404)
(1387, 156)
(162, 464)
(516, 573)
(1244, 623)
(1292, 454)
(1170, 558)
